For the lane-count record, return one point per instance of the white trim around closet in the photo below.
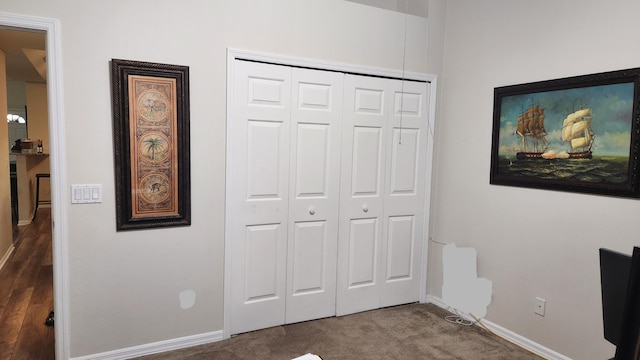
(237, 54)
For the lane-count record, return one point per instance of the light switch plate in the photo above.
(86, 193)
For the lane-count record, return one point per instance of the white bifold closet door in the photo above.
(285, 194)
(382, 195)
(326, 199)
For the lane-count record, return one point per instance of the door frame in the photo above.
(237, 54)
(51, 27)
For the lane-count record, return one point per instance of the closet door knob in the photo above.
(312, 210)
(365, 208)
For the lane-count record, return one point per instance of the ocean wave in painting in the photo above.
(601, 170)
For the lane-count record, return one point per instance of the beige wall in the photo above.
(530, 242)
(16, 94)
(6, 241)
(124, 286)
(38, 116)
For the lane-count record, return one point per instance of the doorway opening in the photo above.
(53, 88)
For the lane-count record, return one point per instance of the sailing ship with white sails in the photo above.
(576, 130)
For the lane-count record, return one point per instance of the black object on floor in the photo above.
(49, 320)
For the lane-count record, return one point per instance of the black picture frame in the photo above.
(598, 113)
(150, 104)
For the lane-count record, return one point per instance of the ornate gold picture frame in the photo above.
(151, 144)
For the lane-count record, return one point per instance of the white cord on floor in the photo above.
(458, 318)
(455, 319)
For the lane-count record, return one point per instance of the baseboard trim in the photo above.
(156, 347)
(6, 256)
(525, 343)
(201, 339)
(508, 334)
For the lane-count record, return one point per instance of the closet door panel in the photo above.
(405, 152)
(314, 194)
(261, 258)
(308, 263)
(312, 161)
(364, 128)
(363, 255)
(366, 174)
(404, 194)
(399, 253)
(264, 163)
(383, 170)
(259, 195)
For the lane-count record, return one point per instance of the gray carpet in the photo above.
(415, 331)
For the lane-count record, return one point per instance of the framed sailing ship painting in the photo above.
(151, 144)
(577, 134)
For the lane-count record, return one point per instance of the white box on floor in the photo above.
(308, 357)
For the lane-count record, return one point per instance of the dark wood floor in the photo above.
(26, 294)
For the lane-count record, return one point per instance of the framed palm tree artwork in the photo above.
(151, 144)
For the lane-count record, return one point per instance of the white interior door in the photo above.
(259, 195)
(404, 195)
(381, 229)
(314, 194)
(286, 156)
(364, 143)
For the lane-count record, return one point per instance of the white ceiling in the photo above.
(24, 54)
(411, 7)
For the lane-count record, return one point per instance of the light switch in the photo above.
(86, 193)
(77, 194)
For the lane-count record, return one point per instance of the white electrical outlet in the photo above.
(540, 305)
